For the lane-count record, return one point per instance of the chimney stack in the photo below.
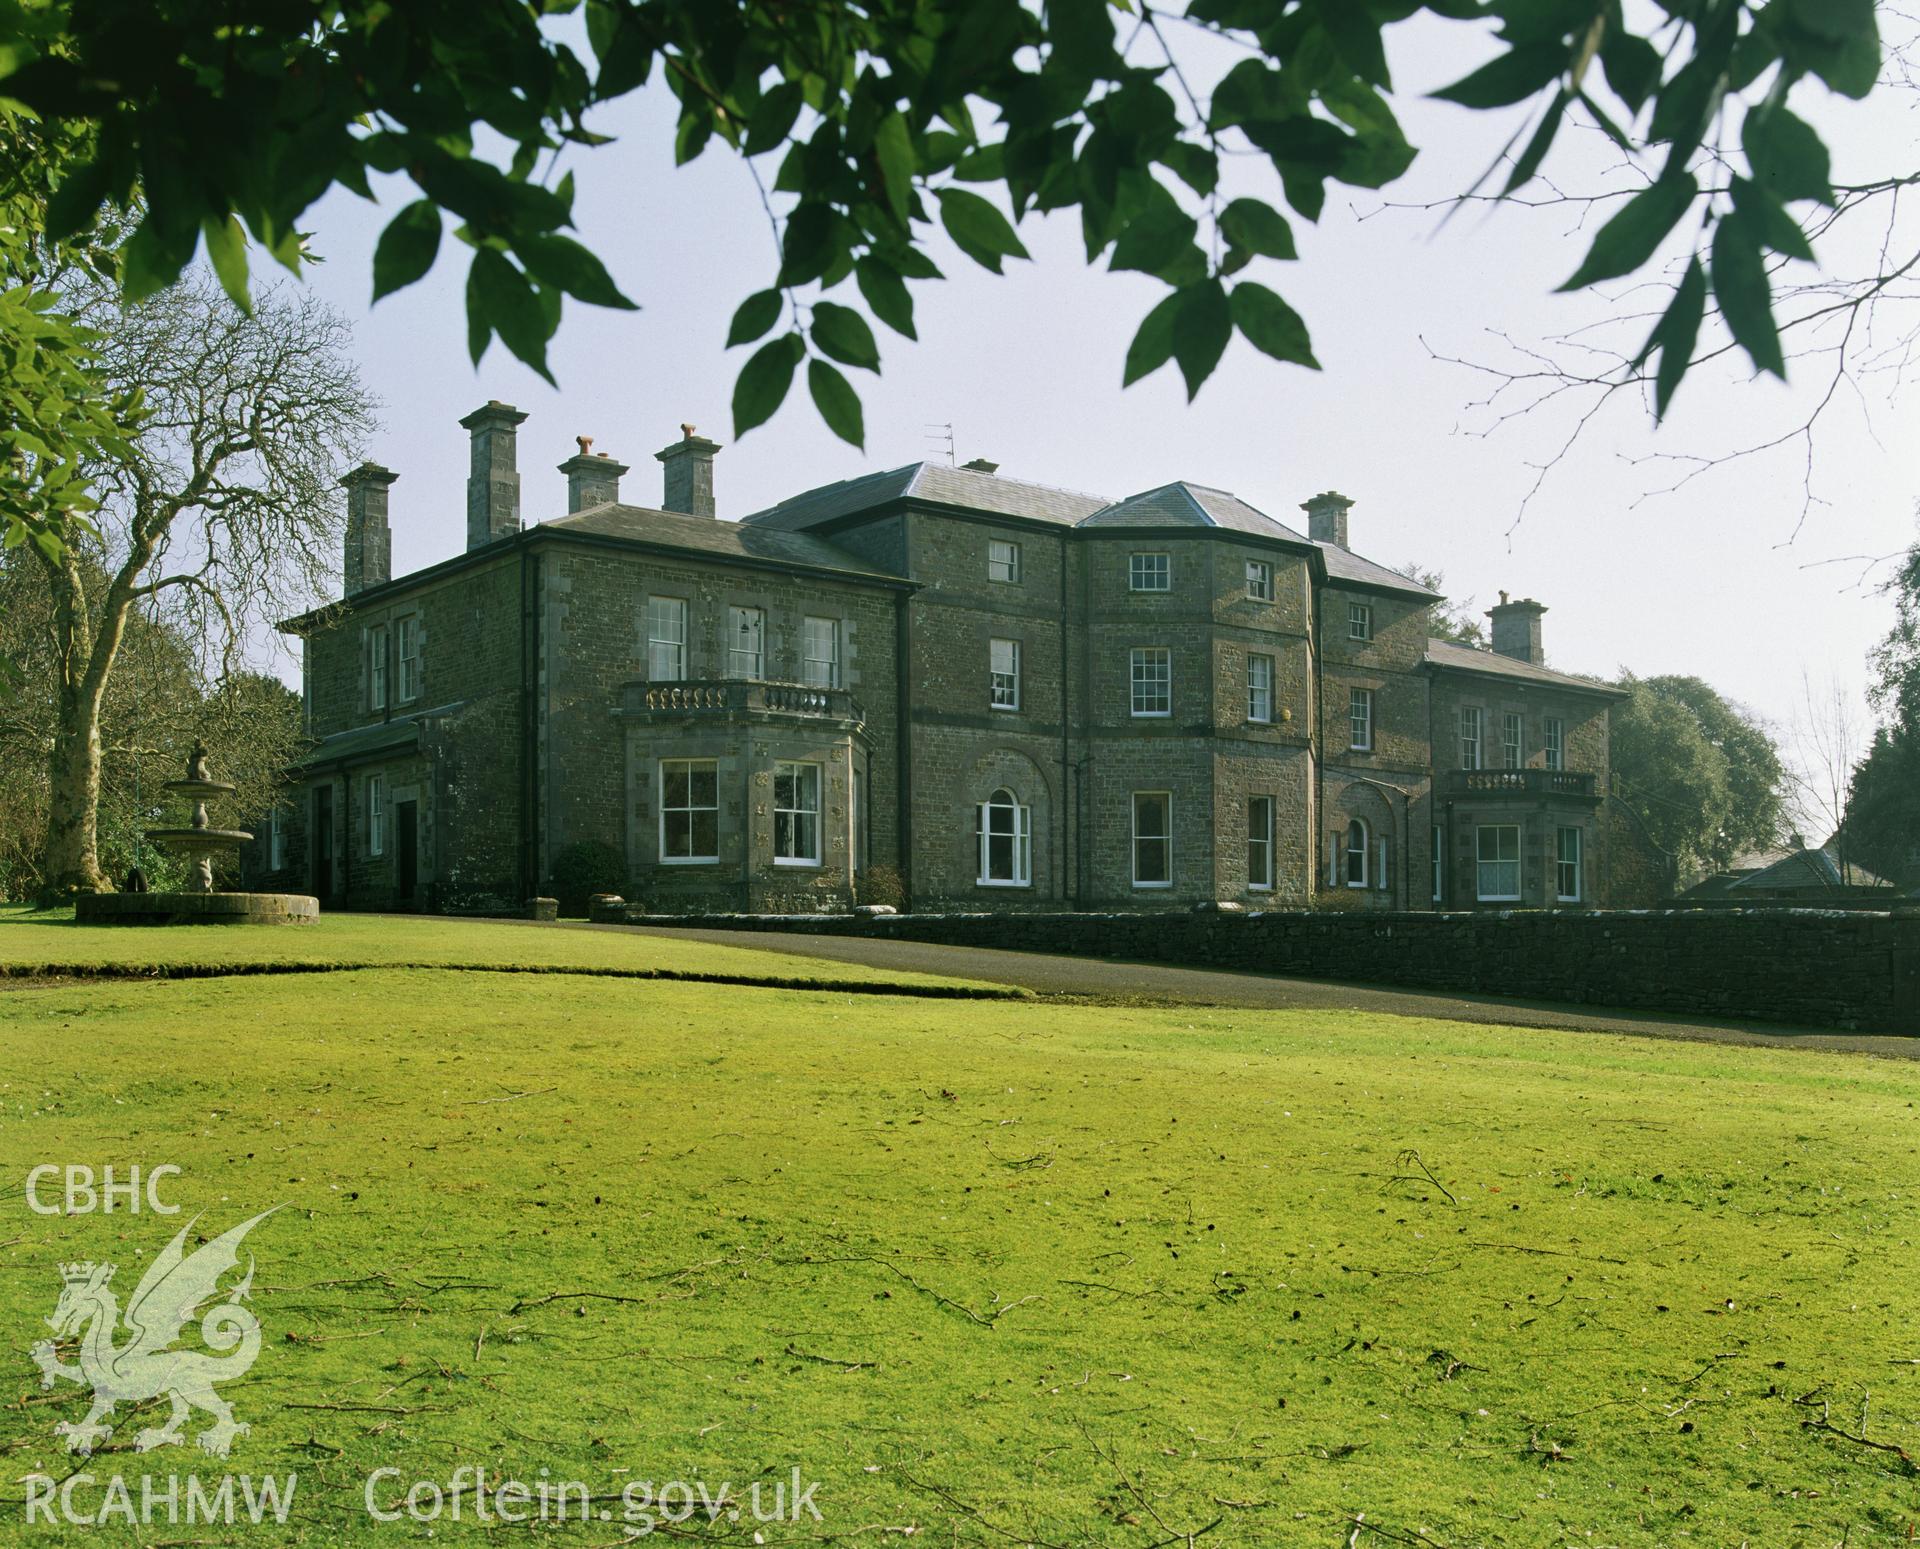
(1516, 629)
(689, 465)
(593, 478)
(1327, 518)
(369, 549)
(493, 481)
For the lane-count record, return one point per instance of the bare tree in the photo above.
(1825, 744)
(224, 506)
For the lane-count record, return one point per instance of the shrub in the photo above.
(584, 868)
(880, 885)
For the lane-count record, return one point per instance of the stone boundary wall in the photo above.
(1811, 968)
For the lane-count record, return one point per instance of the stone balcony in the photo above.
(1524, 783)
(750, 699)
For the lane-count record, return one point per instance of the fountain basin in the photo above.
(195, 909)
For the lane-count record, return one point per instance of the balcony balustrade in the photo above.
(749, 697)
(1519, 782)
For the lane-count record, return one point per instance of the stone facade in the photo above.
(1017, 698)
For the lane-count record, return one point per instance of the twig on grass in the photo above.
(511, 1097)
(1558, 1253)
(1410, 1158)
(1392, 1534)
(1826, 1427)
(561, 1296)
(375, 1409)
(830, 1360)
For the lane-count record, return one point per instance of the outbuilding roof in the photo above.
(1451, 655)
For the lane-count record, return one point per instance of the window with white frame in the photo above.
(1438, 857)
(1152, 839)
(1469, 736)
(376, 814)
(1513, 740)
(1149, 573)
(1555, 742)
(1359, 621)
(666, 639)
(1003, 561)
(1259, 687)
(1497, 862)
(1003, 674)
(1260, 580)
(1260, 843)
(1356, 854)
(746, 643)
(277, 839)
(377, 669)
(408, 632)
(689, 811)
(1569, 866)
(820, 653)
(1151, 671)
(796, 814)
(1006, 841)
(1360, 719)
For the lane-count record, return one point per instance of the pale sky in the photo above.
(1720, 580)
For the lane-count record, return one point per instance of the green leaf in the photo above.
(407, 248)
(1677, 332)
(1631, 237)
(843, 333)
(1513, 77)
(1789, 160)
(893, 147)
(1081, 32)
(1271, 326)
(838, 403)
(1259, 228)
(1155, 240)
(1632, 67)
(1836, 20)
(508, 303)
(1775, 227)
(227, 248)
(1152, 345)
(887, 294)
(978, 228)
(1540, 144)
(1201, 330)
(773, 119)
(564, 264)
(756, 315)
(1745, 294)
(763, 382)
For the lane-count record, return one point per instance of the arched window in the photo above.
(1356, 854)
(1006, 841)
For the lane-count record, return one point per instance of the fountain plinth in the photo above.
(202, 845)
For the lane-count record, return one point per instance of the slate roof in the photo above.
(936, 482)
(708, 535)
(358, 742)
(1466, 658)
(1344, 565)
(1183, 504)
(1804, 870)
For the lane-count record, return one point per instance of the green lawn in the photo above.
(1003, 1273)
(33, 941)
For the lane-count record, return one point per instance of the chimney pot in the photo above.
(1327, 518)
(493, 477)
(981, 465)
(593, 478)
(369, 543)
(1516, 629)
(689, 474)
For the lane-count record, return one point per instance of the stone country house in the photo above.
(1017, 697)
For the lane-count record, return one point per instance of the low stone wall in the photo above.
(1807, 967)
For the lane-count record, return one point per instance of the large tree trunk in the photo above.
(72, 857)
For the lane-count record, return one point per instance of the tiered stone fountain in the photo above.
(202, 845)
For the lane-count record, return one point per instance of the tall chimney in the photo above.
(689, 465)
(1327, 518)
(1516, 629)
(593, 478)
(493, 482)
(369, 549)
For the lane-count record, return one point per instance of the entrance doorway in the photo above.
(406, 835)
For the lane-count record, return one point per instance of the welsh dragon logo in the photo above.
(170, 1293)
